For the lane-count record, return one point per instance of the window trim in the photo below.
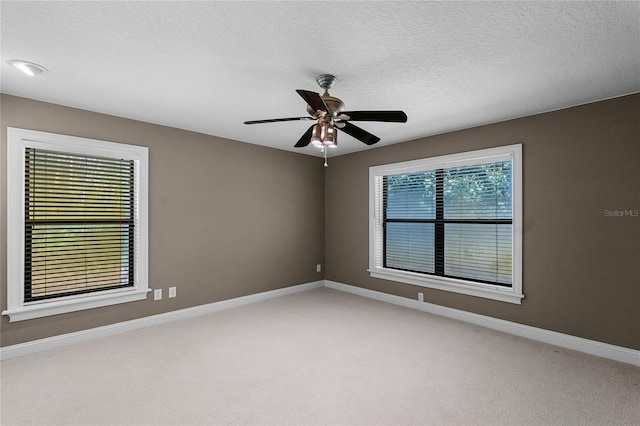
(511, 294)
(17, 142)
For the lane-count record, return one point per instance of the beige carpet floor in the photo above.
(317, 357)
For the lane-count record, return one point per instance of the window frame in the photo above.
(512, 294)
(17, 142)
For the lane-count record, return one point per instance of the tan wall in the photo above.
(227, 218)
(581, 269)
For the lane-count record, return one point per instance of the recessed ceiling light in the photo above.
(29, 68)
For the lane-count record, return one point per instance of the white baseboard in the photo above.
(592, 347)
(34, 346)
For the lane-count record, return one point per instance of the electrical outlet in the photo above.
(157, 294)
(318, 267)
(172, 292)
(420, 297)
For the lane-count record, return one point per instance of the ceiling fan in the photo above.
(328, 111)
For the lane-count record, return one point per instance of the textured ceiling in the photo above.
(209, 66)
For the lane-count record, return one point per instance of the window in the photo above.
(452, 223)
(77, 223)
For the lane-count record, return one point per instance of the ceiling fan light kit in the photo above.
(324, 135)
(329, 113)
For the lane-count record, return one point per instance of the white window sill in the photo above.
(72, 304)
(487, 291)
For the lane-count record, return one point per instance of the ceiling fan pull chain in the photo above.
(325, 157)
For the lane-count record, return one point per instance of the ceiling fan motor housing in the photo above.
(335, 105)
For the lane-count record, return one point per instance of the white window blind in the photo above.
(79, 224)
(409, 210)
(453, 222)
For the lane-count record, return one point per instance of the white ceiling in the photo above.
(209, 66)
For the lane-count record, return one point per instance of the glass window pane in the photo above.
(410, 246)
(478, 192)
(410, 196)
(72, 258)
(478, 251)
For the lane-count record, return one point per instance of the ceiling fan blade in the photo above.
(273, 120)
(305, 139)
(314, 100)
(358, 133)
(386, 116)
